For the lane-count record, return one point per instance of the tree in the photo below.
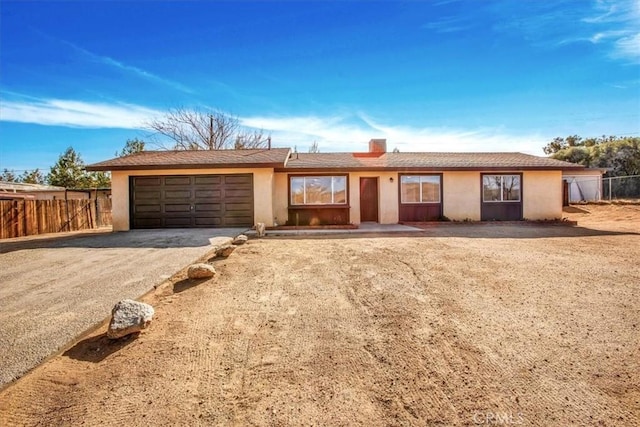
(131, 147)
(199, 130)
(314, 147)
(33, 177)
(97, 180)
(8, 176)
(621, 155)
(248, 139)
(69, 172)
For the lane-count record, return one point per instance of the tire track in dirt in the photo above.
(388, 331)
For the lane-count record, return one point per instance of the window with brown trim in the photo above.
(501, 188)
(420, 189)
(318, 190)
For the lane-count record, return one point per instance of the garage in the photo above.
(189, 201)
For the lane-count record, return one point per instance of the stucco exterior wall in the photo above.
(262, 191)
(542, 195)
(387, 196)
(281, 198)
(461, 195)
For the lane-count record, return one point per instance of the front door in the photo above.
(368, 199)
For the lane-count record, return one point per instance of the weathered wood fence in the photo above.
(30, 217)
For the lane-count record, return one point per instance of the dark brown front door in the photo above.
(368, 199)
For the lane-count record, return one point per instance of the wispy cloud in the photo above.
(612, 24)
(332, 133)
(451, 24)
(70, 113)
(121, 66)
(353, 133)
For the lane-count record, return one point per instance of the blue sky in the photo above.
(427, 75)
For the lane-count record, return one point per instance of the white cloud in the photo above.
(614, 25)
(59, 112)
(628, 47)
(332, 133)
(339, 134)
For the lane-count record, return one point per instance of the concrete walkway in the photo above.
(365, 227)
(55, 288)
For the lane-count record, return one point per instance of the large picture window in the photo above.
(318, 190)
(420, 189)
(501, 188)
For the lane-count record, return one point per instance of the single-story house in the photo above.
(225, 188)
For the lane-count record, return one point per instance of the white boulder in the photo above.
(128, 317)
(200, 271)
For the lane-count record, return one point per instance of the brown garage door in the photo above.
(191, 201)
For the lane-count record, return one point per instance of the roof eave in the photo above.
(429, 169)
(105, 168)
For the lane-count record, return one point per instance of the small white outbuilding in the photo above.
(584, 185)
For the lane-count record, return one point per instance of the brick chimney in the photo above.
(378, 146)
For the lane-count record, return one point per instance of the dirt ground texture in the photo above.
(52, 288)
(459, 325)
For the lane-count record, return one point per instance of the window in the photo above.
(501, 188)
(420, 189)
(318, 190)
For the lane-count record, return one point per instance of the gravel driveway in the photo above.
(54, 289)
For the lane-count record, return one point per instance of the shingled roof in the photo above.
(191, 159)
(282, 160)
(423, 161)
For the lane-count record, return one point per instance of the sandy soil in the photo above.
(54, 287)
(459, 325)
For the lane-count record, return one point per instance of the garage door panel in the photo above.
(148, 208)
(237, 207)
(238, 179)
(177, 222)
(207, 180)
(215, 221)
(178, 194)
(208, 207)
(147, 181)
(238, 194)
(177, 180)
(148, 195)
(147, 223)
(208, 194)
(182, 208)
(192, 201)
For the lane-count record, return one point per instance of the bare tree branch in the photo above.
(246, 139)
(200, 130)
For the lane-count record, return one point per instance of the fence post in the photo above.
(610, 179)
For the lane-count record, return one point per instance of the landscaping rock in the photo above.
(240, 240)
(201, 271)
(225, 251)
(128, 317)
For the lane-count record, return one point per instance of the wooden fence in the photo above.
(30, 217)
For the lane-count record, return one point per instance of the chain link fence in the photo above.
(595, 189)
(621, 188)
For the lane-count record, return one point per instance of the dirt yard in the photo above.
(458, 325)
